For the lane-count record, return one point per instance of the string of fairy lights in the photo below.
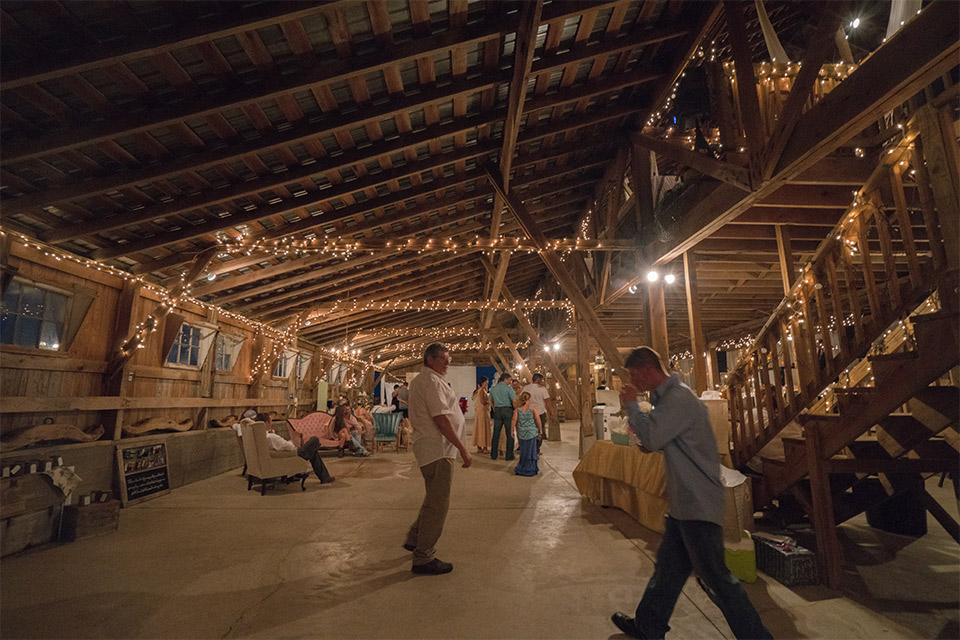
(845, 240)
(340, 247)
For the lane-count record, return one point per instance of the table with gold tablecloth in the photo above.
(621, 476)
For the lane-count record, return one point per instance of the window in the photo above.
(284, 364)
(228, 348)
(186, 347)
(303, 363)
(32, 317)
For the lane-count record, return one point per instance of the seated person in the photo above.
(348, 429)
(280, 448)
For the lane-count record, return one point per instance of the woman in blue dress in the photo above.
(526, 427)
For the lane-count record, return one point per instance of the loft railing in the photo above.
(876, 266)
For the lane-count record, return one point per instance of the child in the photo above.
(526, 427)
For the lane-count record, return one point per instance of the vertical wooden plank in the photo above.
(788, 270)
(746, 87)
(756, 363)
(939, 153)
(824, 318)
(713, 366)
(777, 381)
(722, 103)
(809, 340)
(658, 320)
(697, 342)
(930, 222)
(828, 547)
(773, 425)
(584, 384)
(838, 313)
(854, 296)
(906, 230)
(873, 296)
(116, 382)
(640, 180)
(889, 260)
(788, 368)
(805, 374)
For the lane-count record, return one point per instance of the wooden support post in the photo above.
(939, 152)
(713, 366)
(550, 258)
(828, 547)
(569, 397)
(722, 104)
(788, 270)
(642, 183)
(698, 344)
(117, 382)
(585, 385)
(658, 321)
(746, 88)
(524, 369)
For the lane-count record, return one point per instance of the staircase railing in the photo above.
(876, 265)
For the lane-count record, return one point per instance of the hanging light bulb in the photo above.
(669, 278)
(652, 276)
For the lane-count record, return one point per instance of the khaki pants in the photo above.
(425, 532)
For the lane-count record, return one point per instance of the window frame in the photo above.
(286, 357)
(236, 343)
(177, 345)
(68, 309)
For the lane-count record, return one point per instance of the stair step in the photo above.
(900, 356)
(868, 448)
(827, 418)
(855, 391)
(934, 316)
(943, 400)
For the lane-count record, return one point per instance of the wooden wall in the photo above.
(70, 386)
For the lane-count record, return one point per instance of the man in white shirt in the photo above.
(280, 447)
(540, 402)
(437, 437)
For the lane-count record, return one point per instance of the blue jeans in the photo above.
(502, 417)
(695, 545)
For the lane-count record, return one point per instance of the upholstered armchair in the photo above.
(263, 467)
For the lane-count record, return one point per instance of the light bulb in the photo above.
(669, 278)
(652, 276)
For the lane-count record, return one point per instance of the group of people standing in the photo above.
(678, 425)
(523, 417)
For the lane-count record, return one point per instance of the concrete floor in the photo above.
(532, 560)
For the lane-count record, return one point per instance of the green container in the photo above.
(619, 438)
(741, 558)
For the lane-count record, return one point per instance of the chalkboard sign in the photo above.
(143, 471)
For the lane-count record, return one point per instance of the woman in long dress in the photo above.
(482, 428)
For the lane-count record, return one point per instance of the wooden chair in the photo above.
(263, 467)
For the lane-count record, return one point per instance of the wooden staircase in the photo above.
(842, 398)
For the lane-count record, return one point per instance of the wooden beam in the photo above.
(512, 347)
(939, 151)
(657, 321)
(536, 343)
(524, 45)
(800, 93)
(698, 345)
(330, 72)
(584, 407)
(746, 87)
(788, 272)
(642, 182)
(828, 546)
(916, 55)
(231, 21)
(723, 171)
(559, 271)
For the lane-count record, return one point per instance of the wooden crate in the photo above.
(84, 521)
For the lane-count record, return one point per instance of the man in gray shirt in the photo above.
(679, 426)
